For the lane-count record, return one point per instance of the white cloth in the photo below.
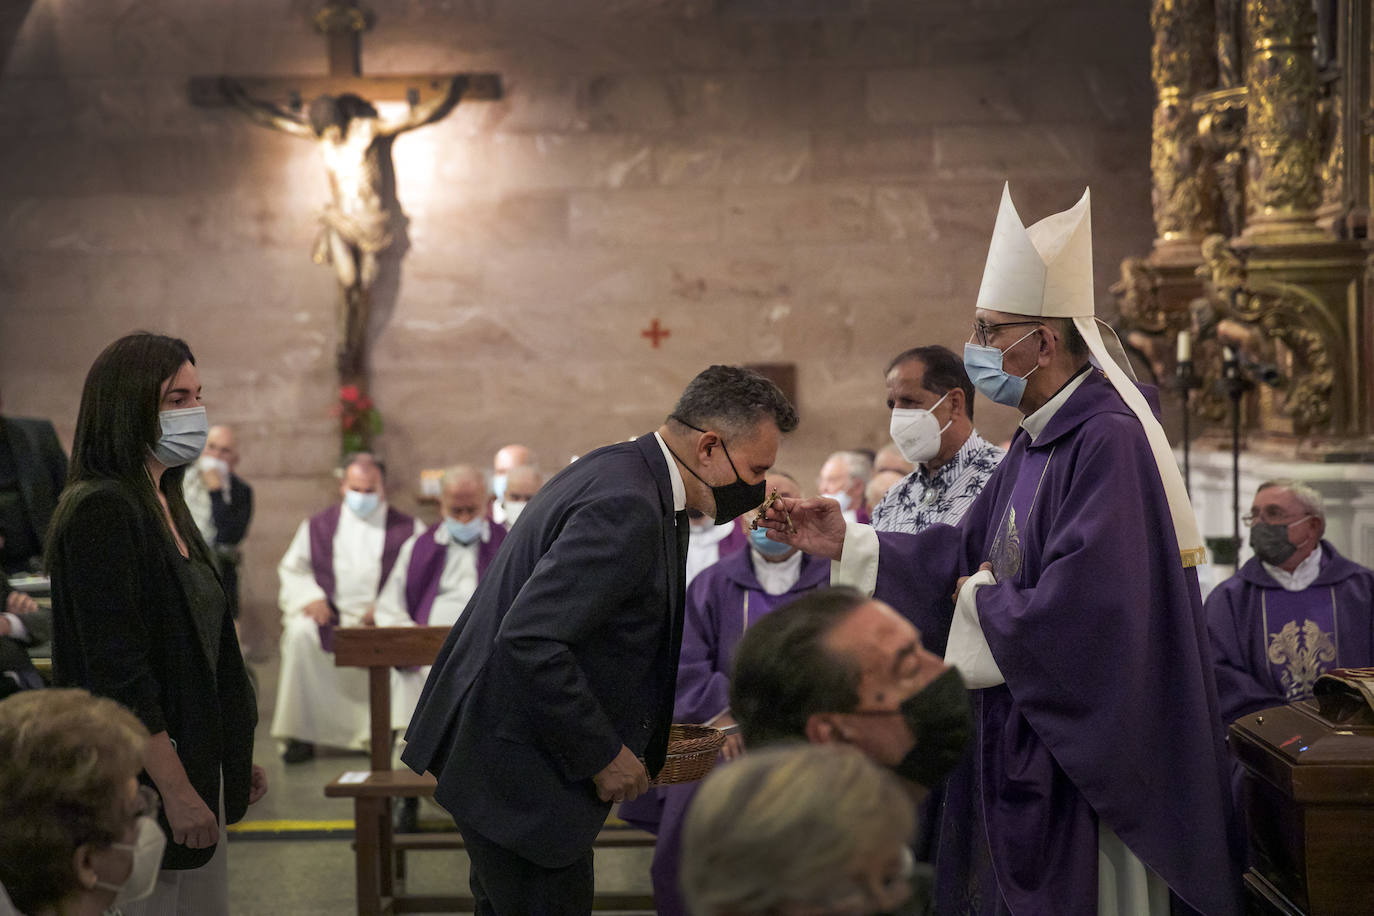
(1125, 886)
(6, 907)
(198, 501)
(457, 582)
(1035, 424)
(17, 629)
(776, 578)
(703, 547)
(316, 700)
(968, 648)
(1301, 577)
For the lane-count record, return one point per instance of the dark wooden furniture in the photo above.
(1308, 795)
(380, 853)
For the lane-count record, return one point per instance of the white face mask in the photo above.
(841, 497)
(513, 509)
(146, 851)
(362, 504)
(916, 432)
(183, 436)
(206, 463)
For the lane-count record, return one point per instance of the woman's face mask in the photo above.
(183, 436)
(146, 851)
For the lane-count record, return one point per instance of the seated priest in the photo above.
(843, 478)
(1293, 611)
(507, 458)
(722, 603)
(330, 577)
(522, 482)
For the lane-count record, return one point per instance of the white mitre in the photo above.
(1046, 271)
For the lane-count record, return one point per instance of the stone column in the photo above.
(1183, 64)
(1282, 135)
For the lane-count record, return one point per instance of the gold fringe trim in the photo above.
(1194, 557)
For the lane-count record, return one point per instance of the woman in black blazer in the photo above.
(139, 614)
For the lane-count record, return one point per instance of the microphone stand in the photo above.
(1236, 385)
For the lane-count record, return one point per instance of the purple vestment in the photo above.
(722, 602)
(1109, 710)
(322, 528)
(1270, 645)
(427, 568)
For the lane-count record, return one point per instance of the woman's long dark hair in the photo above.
(118, 425)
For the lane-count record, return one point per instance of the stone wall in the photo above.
(804, 181)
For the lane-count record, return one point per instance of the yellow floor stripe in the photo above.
(289, 826)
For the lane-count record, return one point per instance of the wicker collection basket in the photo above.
(692, 751)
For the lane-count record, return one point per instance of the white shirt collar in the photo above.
(776, 578)
(444, 539)
(1035, 423)
(679, 489)
(714, 535)
(1301, 577)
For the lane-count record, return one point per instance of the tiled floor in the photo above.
(314, 877)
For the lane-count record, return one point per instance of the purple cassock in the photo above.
(426, 568)
(323, 526)
(1109, 711)
(722, 602)
(1270, 645)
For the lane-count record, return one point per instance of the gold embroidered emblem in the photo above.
(1006, 549)
(1303, 654)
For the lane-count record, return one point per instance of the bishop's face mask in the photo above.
(984, 367)
(732, 499)
(916, 432)
(183, 435)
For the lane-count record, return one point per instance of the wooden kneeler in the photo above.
(380, 854)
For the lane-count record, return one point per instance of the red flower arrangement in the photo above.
(359, 419)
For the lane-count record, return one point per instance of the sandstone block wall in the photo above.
(810, 181)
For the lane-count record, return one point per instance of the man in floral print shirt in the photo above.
(943, 484)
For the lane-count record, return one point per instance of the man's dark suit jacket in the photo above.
(41, 465)
(231, 527)
(566, 651)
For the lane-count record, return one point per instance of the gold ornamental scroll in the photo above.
(1182, 64)
(1282, 133)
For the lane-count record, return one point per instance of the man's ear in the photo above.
(707, 443)
(821, 730)
(957, 403)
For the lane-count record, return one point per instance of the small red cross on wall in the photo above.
(655, 333)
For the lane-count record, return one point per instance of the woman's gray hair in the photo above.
(1310, 500)
(786, 826)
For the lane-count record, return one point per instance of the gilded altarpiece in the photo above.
(1261, 161)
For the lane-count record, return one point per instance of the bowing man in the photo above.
(330, 576)
(552, 697)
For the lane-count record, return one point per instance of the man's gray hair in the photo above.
(733, 400)
(461, 472)
(782, 827)
(1310, 500)
(367, 459)
(859, 465)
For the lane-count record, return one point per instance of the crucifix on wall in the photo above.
(355, 143)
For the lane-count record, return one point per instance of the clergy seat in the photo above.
(379, 852)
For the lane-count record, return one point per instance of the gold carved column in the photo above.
(1282, 134)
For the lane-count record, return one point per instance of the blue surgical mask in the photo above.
(362, 504)
(758, 538)
(183, 436)
(464, 532)
(984, 367)
(498, 486)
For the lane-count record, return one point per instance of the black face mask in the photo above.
(732, 499)
(1270, 543)
(941, 720)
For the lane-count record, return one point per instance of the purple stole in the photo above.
(1302, 639)
(427, 568)
(1007, 553)
(323, 527)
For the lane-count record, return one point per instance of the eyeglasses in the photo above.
(1270, 515)
(983, 332)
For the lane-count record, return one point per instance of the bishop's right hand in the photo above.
(623, 779)
(819, 524)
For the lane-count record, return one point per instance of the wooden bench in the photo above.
(380, 853)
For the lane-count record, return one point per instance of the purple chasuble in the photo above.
(1109, 711)
(426, 568)
(1270, 645)
(722, 601)
(322, 527)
